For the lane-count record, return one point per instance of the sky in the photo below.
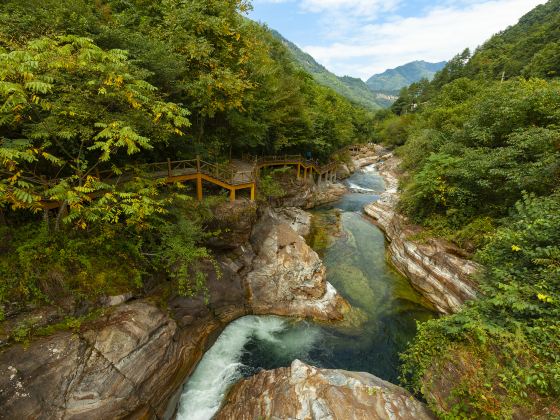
(360, 38)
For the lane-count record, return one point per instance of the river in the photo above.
(384, 320)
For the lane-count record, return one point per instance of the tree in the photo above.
(69, 109)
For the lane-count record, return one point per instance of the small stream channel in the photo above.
(383, 321)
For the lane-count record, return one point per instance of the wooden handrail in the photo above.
(227, 175)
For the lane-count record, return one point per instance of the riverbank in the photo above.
(134, 359)
(436, 268)
(304, 392)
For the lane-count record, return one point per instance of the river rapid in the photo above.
(383, 321)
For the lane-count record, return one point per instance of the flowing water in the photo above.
(383, 320)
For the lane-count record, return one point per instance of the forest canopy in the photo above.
(93, 89)
(480, 150)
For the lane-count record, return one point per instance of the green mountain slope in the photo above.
(531, 48)
(480, 145)
(351, 88)
(393, 80)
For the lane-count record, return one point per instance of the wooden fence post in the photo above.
(169, 168)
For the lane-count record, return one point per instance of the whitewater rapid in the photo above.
(221, 366)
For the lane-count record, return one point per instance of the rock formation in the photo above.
(289, 277)
(133, 359)
(306, 393)
(435, 267)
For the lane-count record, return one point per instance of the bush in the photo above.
(501, 354)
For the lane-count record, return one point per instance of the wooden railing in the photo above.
(227, 174)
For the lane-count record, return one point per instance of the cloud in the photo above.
(364, 45)
(364, 8)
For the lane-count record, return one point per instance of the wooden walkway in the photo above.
(233, 177)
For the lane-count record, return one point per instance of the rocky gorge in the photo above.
(132, 361)
(435, 267)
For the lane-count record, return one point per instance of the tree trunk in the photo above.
(61, 212)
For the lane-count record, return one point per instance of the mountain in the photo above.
(531, 48)
(352, 88)
(391, 81)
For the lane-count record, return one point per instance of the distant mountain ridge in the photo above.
(380, 91)
(393, 80)
(351, 88)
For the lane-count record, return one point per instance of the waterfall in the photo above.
(221, 366)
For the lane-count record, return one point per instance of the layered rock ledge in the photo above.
(436, 268)
(303, 392)
(133, 360)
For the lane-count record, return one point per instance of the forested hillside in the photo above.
(90, 87)
(351, 88)
(393, 80)
(481, 153)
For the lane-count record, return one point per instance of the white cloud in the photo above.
(365, 47)
(365, 8)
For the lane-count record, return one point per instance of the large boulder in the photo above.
(299, 220)
(328, 192)
(109, 370)
(303, 392)
(288, 277)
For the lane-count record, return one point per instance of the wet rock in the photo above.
(436, 268)
(366, 155)
(328, 192)
(288, 277)
(303, 392)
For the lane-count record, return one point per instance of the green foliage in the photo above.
(269, 187)
(394, 131)
(178, 251)
(505, 346)
(68, 107)
(507, 143)
(107, 259)
(483, 169)
(92, 90)
(107, 263)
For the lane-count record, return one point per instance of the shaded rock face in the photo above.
(436, 268)
(289, 278)
(307, 195)
(235, 221)
(133, 360)
(303, 392)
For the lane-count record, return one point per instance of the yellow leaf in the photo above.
(544, 298)
(515, 248)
